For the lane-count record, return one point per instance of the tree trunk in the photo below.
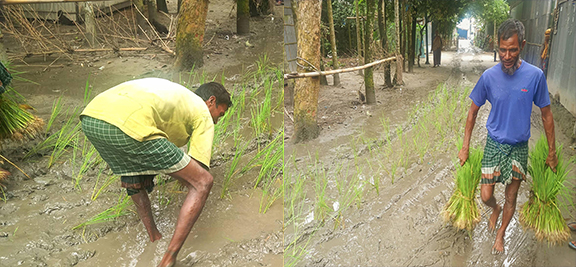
(307, 89)
(402, 24)
(421, 45)
(412, 20)
(323, 80)
(426, 26)
(333, 42)
(358, 36)
(384, 39)
(190, 34)
(243, 17)
(399, 58)
(368, 73)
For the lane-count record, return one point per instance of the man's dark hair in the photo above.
(215, 89)
(509, 28)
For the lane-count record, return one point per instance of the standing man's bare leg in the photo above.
(199, 183)
(511, 193)
(142, 203)
(487, 195)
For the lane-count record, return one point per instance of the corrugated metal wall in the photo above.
(562, 66)
(537, 16)
(290, 43)
(50, 10)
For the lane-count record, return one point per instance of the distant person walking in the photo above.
(437, 49)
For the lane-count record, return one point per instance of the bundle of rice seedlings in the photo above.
(461, 209)
(3, 175)
(16, 122)
(541, 213)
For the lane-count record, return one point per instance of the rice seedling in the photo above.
(272, 159)
(271, 192)
(262, 112)
(462, 209)
(110, 214)
(61, 139)
(296, 239)
(56, 108)
(321, 208)
(221, 132)
(89, 157)
(542, 211)
(96, 191)
(65, 137)
(241, 147)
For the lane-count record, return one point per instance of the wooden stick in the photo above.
(288, 114)
(111, 49)
(40, 66)
(14, 166)
(84, 50)
(164, 46)
(18, 2)
(330, 72)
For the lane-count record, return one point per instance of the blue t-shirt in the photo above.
(511, 97)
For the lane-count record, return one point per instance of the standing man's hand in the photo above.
(552, 161)
(463, 155)
(548, 121)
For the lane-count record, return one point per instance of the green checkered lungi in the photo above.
(503, 162)
(137, 162)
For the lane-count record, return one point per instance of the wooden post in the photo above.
(90, 23)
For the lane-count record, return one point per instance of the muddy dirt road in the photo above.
(374, 199)
(38, 214)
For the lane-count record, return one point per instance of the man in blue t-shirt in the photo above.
(511, 87)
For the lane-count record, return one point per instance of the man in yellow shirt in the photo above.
(137, 127)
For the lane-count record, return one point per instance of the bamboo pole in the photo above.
(83, 50)
(18, 2)
(330, 72)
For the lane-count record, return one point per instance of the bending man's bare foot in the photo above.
(494, 218)
(155, 236)
(169, 259)
(498, 247)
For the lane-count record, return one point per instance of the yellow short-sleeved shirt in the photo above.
(151, 108)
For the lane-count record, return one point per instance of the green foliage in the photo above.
(489, 11)
(110, 214)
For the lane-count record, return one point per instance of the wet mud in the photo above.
(37, 218)
(399, 224)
